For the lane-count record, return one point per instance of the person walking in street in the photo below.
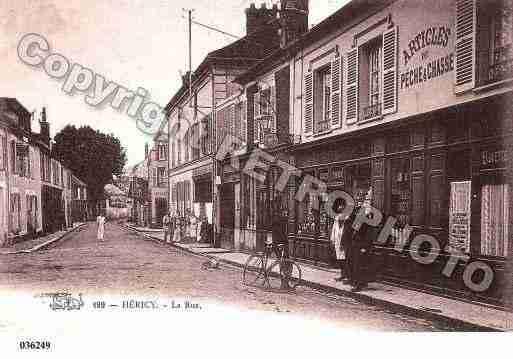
(165, 226)
(172, 227)
(100, 221)
(178, 228)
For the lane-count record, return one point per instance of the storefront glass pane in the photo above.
(494, 219)
(400, 196)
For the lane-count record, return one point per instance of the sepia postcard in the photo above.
(234, 178)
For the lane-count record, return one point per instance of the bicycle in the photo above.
(257, 269)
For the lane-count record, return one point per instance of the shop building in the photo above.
(20, 186)
(191, 112)
(404, 106)
(158, 182)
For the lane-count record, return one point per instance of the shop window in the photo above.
(15, 213)
(307, 217)
(400, 196)
(495, 229)
(398, 142)
(358, 182)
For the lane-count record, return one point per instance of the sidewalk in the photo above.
(465, 315)
(37, 243)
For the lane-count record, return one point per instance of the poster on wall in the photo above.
(459, 216)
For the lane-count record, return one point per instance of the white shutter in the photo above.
(272, 110)
(256, 122)
(465, 45)
(389, 81)
(308, 103)
(352, 77)
(336, 91)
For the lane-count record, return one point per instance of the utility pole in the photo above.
(189, 13)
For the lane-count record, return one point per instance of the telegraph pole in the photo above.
(189, 17)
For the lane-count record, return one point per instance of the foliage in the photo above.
(93, 156)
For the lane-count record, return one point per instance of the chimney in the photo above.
(257, 19)
(44, 127)
(293, 20)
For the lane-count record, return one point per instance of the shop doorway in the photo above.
(227, 215)
(161, 209)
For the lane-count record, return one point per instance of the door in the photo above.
(3, 220)
(161, 210)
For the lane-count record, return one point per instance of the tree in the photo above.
(93, 156)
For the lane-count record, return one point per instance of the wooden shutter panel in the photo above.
(465, 45)
(256, 122)
(308, 124)
(352, 87)
(336, 90)
(243, 123)
(389, 81)
(272, 110)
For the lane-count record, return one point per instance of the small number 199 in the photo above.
(35, 345)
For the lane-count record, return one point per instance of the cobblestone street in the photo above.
(128, 265)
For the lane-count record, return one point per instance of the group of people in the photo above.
(174, 227)
(352, 248)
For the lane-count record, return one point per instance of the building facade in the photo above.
(191, 112)
(402, 106)
(158, 181)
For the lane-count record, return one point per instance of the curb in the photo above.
(44, 244)
(457, 324)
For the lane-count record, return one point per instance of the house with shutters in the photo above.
(259, 118)
(403, 105)
(158, 185)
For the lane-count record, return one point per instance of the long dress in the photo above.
(101, 227)
(336, 238)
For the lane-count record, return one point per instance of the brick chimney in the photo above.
(257, 19)
(293, 20)
(44, 127)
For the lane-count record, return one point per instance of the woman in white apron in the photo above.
(100, 220)
(336, 238)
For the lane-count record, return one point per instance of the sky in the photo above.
(134, 43)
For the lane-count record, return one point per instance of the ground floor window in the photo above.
(15, 213)
(495, 219)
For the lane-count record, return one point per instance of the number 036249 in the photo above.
(34, 345)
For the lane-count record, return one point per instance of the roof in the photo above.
(346, 17)
(244, 52)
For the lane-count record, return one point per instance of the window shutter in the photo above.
(308, 124)
(272, 110)
(336, 90)
(389, 80)
(256, 122)
(465, 45)
(243, 124)
(352, 87)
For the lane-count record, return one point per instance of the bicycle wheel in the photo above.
(288, 271)
(253, 270)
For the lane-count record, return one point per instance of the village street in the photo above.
(128, 265)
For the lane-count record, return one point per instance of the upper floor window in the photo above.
(162, 152)
(3, 153)
(161, 177)
(179, 152)
(322, 99)
(501, 41)
(206, 124)
(173, 155)
(484, 41)
(20, 159)
(186, 146)
(370, 79)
